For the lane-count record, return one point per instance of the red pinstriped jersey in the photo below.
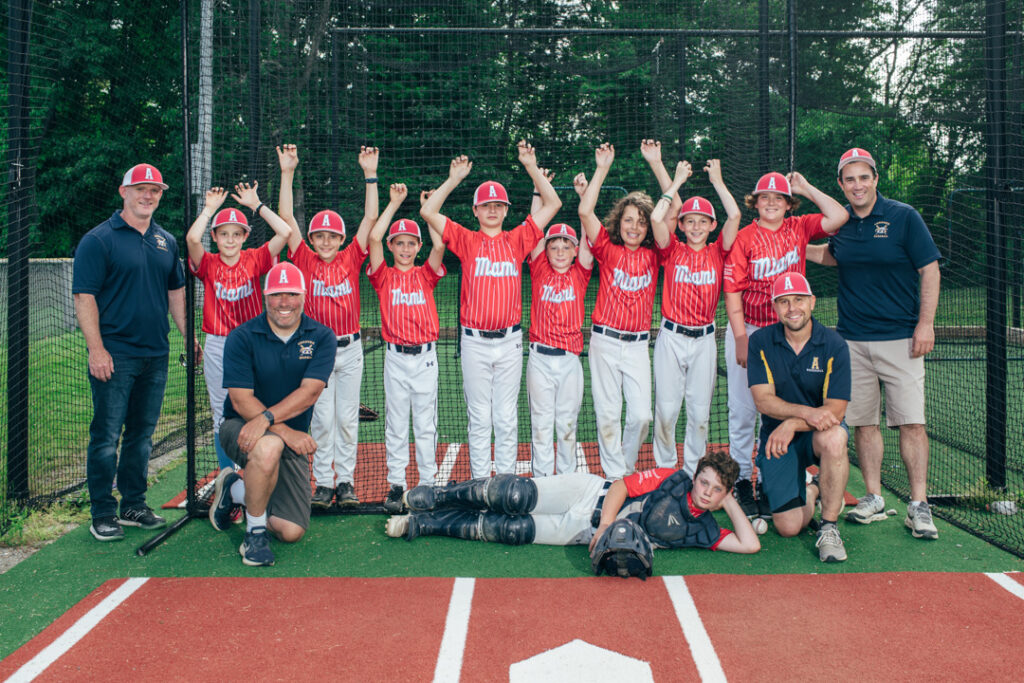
(556, 309)
(232, 294)
(692, 282)
(492, 275)
(758, 255)
(627, 282)
(408, 314)
(332, 289)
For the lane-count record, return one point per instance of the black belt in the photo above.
(622, 336)
(411, 350)
(345, 341)
(695, 332)
(492, 334)
(547, 350)
(595, 518)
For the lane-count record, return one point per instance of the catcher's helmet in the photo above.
(623, 550)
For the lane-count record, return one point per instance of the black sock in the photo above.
(826, 522)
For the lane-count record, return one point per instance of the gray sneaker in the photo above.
(919, 521)
(830, 544)
(870, 508)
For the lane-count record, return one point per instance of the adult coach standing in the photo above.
(127, 276)
(888, 292)
(275, 367)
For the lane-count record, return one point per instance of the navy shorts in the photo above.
(785, 479)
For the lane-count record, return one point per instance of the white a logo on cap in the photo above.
(327, 220)
(149, 174)
(771, 186)
(493, 193)
(401, 226)
(696, 205)
(233, 218)
(787, 284)
(283, 280)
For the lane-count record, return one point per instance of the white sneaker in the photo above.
(919, 521)
(870, 508)
(830, 545)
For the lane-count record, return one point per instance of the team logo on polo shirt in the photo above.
(815, 365)
(161, 242)
(882, 229)
(306, 349)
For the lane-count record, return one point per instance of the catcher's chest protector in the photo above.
(667, 520)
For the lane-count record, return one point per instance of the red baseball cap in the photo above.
(562, 230)
(230, 217)
(790, 283)
(856, 154)
(142, 174)
(773, 182)
(327, 221)
(490, 191)
(697, 205)
(404, 227)
(284, 278)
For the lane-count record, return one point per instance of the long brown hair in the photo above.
(643, 203)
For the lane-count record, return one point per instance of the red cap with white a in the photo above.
(327, 221)
(562, 230)
(230, 217)
(773, 182)
(284, 278)
(790, 283)
(490, 191)
(697, 205)
(142, 174)
(404, 227)
(856, 154)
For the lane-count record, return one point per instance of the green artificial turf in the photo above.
(40, 589)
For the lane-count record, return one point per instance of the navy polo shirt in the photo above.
(130, 274)
(256, 358)
(822, 370)
(879, 256)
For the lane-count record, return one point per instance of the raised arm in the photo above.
(549, 201)
(734, 312)
(430, 211)
(732, 209)
(247, 196)
(288, 160)
(662, 222)
(584, 256)
(368, 157)
(604, 156)
(650, 150)
(535, 205)
(398, 193)
(835, 215)
(215, 196)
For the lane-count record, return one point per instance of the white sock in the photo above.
(238, 492)
(253, 521)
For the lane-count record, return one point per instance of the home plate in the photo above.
(578, 661)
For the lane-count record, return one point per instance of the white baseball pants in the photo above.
(410, 386)
(492, 371)
(554, 386)
(620, 369)
(743, 418)
(335, 425)
(565, 506)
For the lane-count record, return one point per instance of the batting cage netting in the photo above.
(933, 91)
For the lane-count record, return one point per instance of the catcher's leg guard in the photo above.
(504, 493)
(508, 529)
(472, 525)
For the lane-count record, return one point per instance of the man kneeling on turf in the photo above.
(799, 376)
(577, 508)
(275, 366)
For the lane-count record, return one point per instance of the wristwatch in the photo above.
(269, 415)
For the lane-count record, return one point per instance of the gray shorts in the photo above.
(291, 496)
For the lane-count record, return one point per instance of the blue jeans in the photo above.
(131, 400)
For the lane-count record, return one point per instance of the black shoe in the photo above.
(221, 505)
(345, 495)
(393, 503)
(142, 517)
(744, 492)
(764, 510)
(322, 497)
(106, 529)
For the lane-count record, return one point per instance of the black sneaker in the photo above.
(744, 492)
(106, 529)
(255, 548)
(345, 495)
(322, 497)
(393, 503)
(764, 510)
(222, 508)
(142, 517)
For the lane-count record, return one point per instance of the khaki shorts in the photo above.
(903, 377)
(291, 497)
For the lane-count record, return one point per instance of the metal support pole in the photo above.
(762, 72)
(681, 115)
(995, 275)
(335, 185)
(254, 100)
(792, 84)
